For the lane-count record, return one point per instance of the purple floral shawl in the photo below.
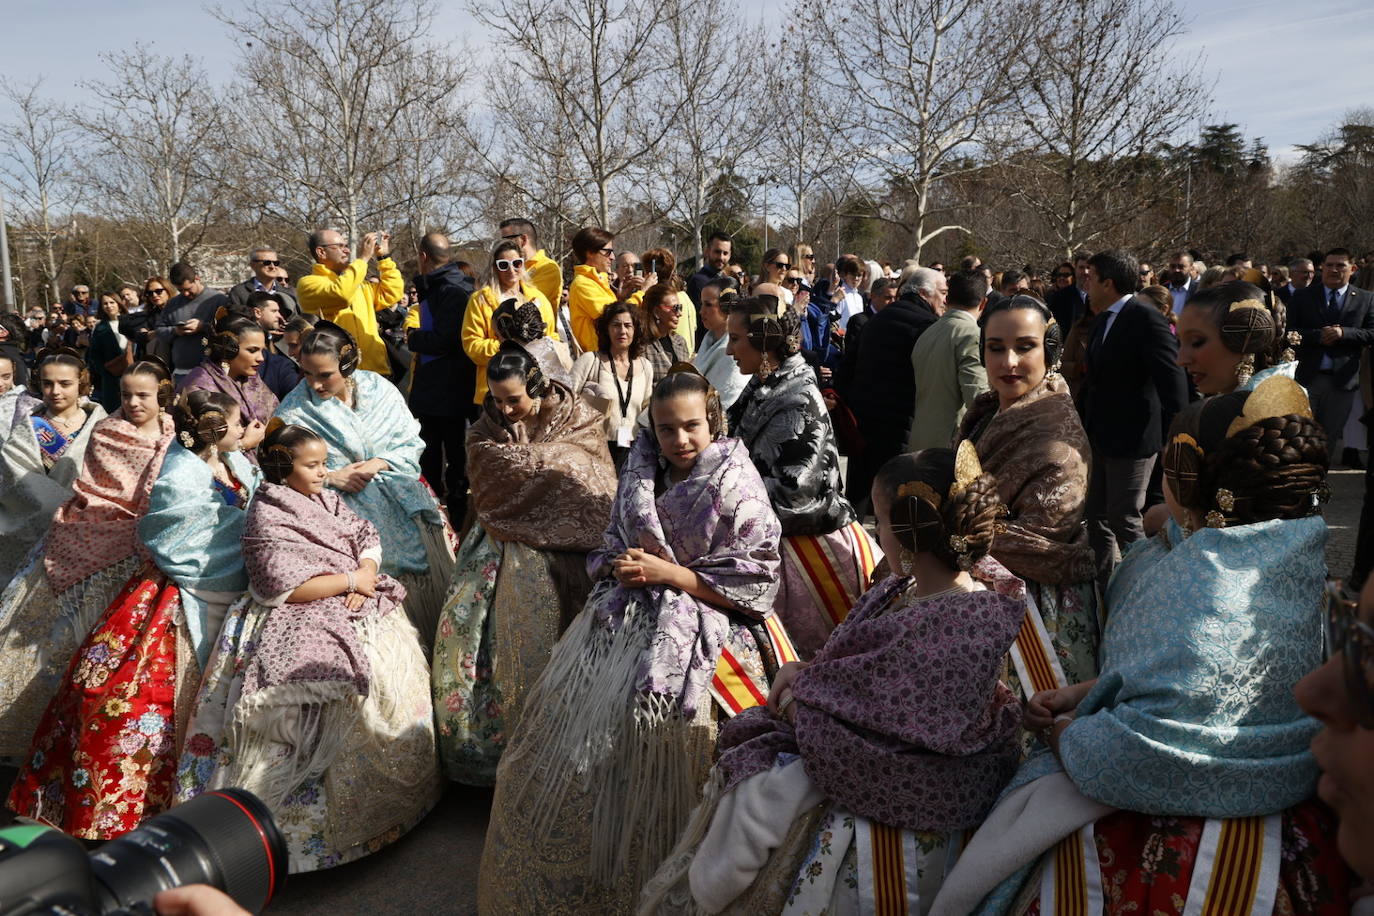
(901, 717)
(717, 522)
(288, 539)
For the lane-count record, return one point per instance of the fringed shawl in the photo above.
(378, 425)
(30, 491)
(717, 523)
(97, 527)
(1194, 712)
(547, 481)
(193, 535)
(289, 539)
(783, 422)
(1039, 453)
(901, 717)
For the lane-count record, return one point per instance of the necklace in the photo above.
(953, 589)
(66, 426)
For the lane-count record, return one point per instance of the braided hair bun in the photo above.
(521, 322)
(202, 418)
(1273, 467)
(773, 328)
(277, 453)
(328, 339)
(957, 528)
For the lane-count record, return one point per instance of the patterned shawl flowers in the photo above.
(378, 425)
(1194, 713)
(96, 527)
(256, 401)
(901, 717)
(718, 523)
(547, 483)
(1039, 453)
(290, 538)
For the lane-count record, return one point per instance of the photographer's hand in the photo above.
(196, 900)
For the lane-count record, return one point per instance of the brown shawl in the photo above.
(546, 481)
(1038, 451)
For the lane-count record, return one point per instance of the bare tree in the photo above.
(587, 65)
(1101, 98)
(715, 69)
(38, 168)
(921, 81)
(155, 131)
(360, 112)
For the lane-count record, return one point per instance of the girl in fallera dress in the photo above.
(104, 756)
(42, 454)
(374, 462)
(89, 553)
(897, 737)
(234, 352)
(616, 737)
(1180, 779)
(316, 696)
(827, 556)
(542, 486)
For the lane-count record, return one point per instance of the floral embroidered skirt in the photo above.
(1147, 864)
(506, 608)
(381, 780)
(104, 754)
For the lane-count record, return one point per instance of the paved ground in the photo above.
(434, 868)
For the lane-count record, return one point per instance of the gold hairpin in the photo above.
(1276, 396)
(920, 490)
(1247, 304)
(967, 469)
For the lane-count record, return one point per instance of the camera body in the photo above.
(225, 838)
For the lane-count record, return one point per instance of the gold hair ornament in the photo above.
(1276, 396)
(967, 468)
(919, 489)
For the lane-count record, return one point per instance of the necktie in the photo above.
(1099, 332)
(1333, 309)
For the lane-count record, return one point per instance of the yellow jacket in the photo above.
(546, 276)
(348, 300)
(479, 336)
(588, 295)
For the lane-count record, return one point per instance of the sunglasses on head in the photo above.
(511, 264)
(1354, 639)
(267, 262)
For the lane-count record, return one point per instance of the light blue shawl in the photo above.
(379, 425)
(1194, 713)
(193, 535)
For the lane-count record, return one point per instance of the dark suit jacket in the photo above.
(445, 378)
(1133, 385)
(239, 296)
(1067, 305)
(883, 394)
(1307, 315)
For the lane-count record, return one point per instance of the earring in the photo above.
(905, 561)
(767, 366)
(224, 367)
(1244, 369)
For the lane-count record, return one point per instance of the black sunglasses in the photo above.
(1354, 639)
(782, 265)
(267, 262)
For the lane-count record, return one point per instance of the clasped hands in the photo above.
(637, 568)
(364, 586)
(351, 478)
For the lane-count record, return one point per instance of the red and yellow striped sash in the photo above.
(835, 581)
(733, 687)
(1033, 656)
(1236, 871)
(1071, 884)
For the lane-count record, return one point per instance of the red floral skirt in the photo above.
(1147, 863)
(104, 755)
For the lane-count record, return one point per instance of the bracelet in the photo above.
(782, 707)
(352, 584)
(1063, 717)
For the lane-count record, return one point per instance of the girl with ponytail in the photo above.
(104, 756)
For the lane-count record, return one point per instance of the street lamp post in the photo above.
(5, 283)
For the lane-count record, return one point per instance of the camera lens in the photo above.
(225, 838)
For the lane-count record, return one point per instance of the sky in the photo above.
(1283, 71)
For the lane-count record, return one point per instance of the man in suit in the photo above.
(947, 364)
(1071, 303)
(1300, 273)
(1182, 283)
(1336, 321)
(1131, 391)
(268, 276)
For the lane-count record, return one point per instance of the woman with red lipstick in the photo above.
(1030, 438)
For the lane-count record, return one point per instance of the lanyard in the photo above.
(624, 396)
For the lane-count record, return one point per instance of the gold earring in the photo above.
(1245, 369)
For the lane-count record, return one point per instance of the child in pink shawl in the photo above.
(316, 695)
(896, 738)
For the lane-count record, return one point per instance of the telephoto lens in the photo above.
(225, 838)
